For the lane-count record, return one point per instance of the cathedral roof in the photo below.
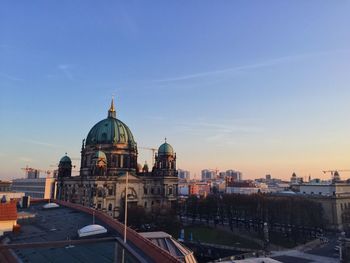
(100, 155)
(110, 131)
(165, 149)
(65, 159)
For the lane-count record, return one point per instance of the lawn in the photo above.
(215, 236)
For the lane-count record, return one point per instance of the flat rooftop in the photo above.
(62, 224)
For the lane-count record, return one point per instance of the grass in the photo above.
(216, 236)
(278, 239)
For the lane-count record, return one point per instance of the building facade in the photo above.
(183, 174)
(208, 175)
(108, 160)
(334, 198)
(35, 187)
(5, 186)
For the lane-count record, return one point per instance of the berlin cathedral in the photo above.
(108, 154)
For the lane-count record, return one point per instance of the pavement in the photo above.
(296, 256)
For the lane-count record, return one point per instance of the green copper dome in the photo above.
(165, 149)
(65, 159)
(110, 131)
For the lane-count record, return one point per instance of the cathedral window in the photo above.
(110, 207)
(110, 191)
(170, 191)
(121, 164)
(145, 190)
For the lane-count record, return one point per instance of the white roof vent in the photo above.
(91, 230)
(50, 205)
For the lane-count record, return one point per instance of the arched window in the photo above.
(170, 191)
(110, 207)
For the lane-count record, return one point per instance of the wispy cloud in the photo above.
(229, 126)
(225, 132)
(41, 143)
(10, 77)
(66, 70)
(257, 65)
(26, 159)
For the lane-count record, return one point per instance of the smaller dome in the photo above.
(100, 155)
(65, 159)
(165, 149)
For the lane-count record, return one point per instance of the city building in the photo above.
(199, 188)
(334, 198)
(183, 188)
(234, 175)
(208, 174)
(33, 173)
(108, 161)
(183, 174)
(245, 187)
(8, 215)
(295, 180)
(5, 186)
(35, 187)
(11, 195)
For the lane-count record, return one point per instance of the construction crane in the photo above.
(36, 171)
(154, 150)
(335, 173)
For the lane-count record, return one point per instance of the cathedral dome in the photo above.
(165, 149)
(110, 131)
(65, 159)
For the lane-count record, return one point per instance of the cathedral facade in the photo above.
(108, 159)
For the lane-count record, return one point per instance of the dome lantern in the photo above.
(110, 131)
(111, 112)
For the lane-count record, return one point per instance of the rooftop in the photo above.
(61, 224)
(8, 211)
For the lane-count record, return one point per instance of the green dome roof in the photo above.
(100, 155)
(65, 159)
(110, 131)
(165, 149)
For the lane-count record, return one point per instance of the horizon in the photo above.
(261, 88)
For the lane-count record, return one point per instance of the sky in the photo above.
(262, 87)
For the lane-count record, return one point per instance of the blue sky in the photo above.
(258, 86)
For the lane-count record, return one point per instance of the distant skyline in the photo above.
(262, 87)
